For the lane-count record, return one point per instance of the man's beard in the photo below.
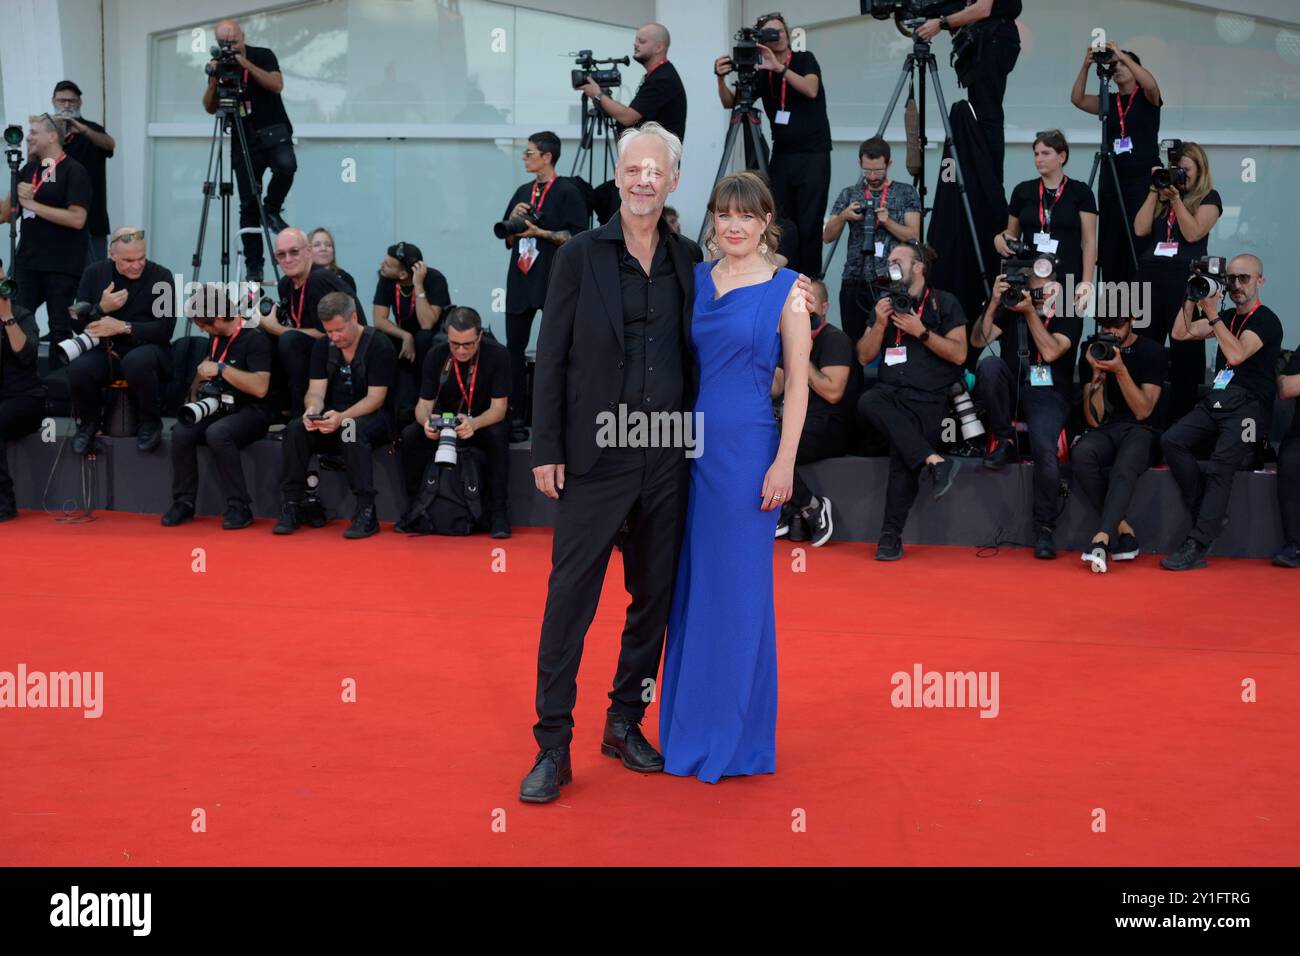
(641, 205)
(68, 114)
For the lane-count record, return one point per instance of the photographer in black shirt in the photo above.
(409, 299)
(1119, 402)
(1288, 469)
(469, 376)
(794, 98)
(132, 314)
(237, 374)
(22, 396)
(89, 144)
(661, 97)
(987, 48)
(270, 140)
(1250, 341)
(352, 369)
(1036, 366)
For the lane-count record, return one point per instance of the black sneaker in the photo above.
(312, 512)
(274, 221)
(798, 527)
(364, 523)
(889, 548)
(500, 526)
(943, 474)
(149, 436)
(238, 515)
(1187, 558)
(783, 522)
(288, 522)
(1126, 547)
(820, 525)
(83, 440)
(180, 512)
(1045, 544)
(1097, 557)
(1003, 453)
(1289, 556)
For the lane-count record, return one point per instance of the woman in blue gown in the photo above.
(717, 713)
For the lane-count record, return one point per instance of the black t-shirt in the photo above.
(80, 148)
(1293, 368)
(809, 129)
(491, 381)
(1005, 9)
(832, 347)
(1258, 374)
(261, 107)
(923, 369)
(1062, 369)
(345, 389)
(42, 245)
(1141, 125)
(1147, 363)
(149, 307)
(248, 350)
(346, 276)
(18, 373)
(1163, 231)
(303, 312)
(401, 310)
(661, 97)
(562, 209)
(1065, 217)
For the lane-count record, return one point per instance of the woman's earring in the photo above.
(713, 247)
(762, 248)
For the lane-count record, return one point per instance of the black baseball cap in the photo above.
(66, 85)
(407, 253)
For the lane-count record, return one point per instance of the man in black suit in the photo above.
(615, 328)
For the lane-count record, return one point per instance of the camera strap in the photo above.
(920, 314)
(229, 342)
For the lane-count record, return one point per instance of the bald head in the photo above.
(228, 30)
(650, 45)
(1246, 262)
(293, 252)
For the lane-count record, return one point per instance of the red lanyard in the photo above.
(1047, 324)
(1244, 319)
(533, 200)
(1169, 224)
(818, 331)
(45, 174)
(296, 314)
(473, 378)
(884, 192)
(1044, 215)
(789, 55)
(398, 290)
(1122, 110)
(655, 67)
(898, 333)
(229, 343)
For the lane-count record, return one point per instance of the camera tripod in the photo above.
(595, 123)
(1104, 75)
(744, 115)
(13, 157)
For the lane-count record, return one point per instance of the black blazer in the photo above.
(580, 348)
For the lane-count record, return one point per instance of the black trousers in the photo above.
(647, 487)
(1115, 227)
(371, 432)
(913, 421)
(56, 291)
(294, 352)
(1045, 414)
(19, 417)
(1128, 449)
(144, 367)
(418, 449)
(519, 329)
(1288, 486)
(986, 85)
(226, 434)
(856, 308)
(283, 164)
(409, 373)
(1187, 360)
(1220, 431)
(801, 183)
(822, 437)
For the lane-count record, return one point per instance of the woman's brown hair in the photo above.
(747, 193)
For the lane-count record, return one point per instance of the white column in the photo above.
(32, 58)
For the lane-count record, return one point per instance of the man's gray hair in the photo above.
(669, 139)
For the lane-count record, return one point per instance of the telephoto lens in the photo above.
(210, 402)
(446, 453)
(1207, 280)
(964, 409)
(77, 346)
(515, 225)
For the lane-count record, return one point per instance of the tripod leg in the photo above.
(238, 136)
(1123, 211)
(728, 145)
(209, 188)
(904, 75)
(761, 154)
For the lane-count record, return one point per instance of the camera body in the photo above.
(888, 283)
(212, 399)
(1104, 346)
(1209, 278)
(745, 54)
(1173, 175)
(509, 228)
(1018, 271)
(909, 9)
(606, 79)
(445, 425)
(229, 74)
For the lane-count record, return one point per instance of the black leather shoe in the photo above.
(8, 511)
(1187, 558)
(364, 523)
(623, 738)
(500, 526)
(551, 770)
(1003, 453)
(82, 441)
(149, 437)
(238, 515)
(288, 522)
(889, 548)
(274, 221)
(178, 513)
(1045, 544)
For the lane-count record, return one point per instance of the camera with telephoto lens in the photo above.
(7, 288)
(508, 228)
(745, 54)
(284, 313)
(1173, 175)
(211, 400)
(229, 74)
(1104, 346)
(890, 284)
(605, 79)
(1019, 269)
(1209, 278)
(964, 409)
(446, 429)
(77, 346)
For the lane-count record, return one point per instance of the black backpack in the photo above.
(450, 500)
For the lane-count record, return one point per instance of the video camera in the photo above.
(909, 14)
(1173, 175)
(513, 226)
(229, 74)
(605, 79)
(1209, 278)
(745, 54)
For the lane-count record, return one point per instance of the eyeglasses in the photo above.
(463, 346)
(1238, 279)
(531, 152)
(282, 254)
(136, 236)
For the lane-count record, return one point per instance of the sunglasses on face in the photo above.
(293, 253)
(1238, 279)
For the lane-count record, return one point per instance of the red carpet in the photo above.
(222, 691)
